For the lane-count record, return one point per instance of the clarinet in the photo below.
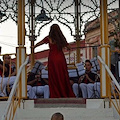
(83, 78)
(96, 78)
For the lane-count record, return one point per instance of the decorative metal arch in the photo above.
(60, 10)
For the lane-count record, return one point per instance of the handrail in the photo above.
(110, 73)
(114, 96)
(13, 89)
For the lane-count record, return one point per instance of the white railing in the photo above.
(115, 88)
(109, 72)
(13, 92)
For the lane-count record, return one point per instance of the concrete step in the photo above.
(73, 119)
(61, 102)
(2, 107)
(79, 119)
(72, 109)
(69, 113)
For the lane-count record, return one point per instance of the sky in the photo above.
(9, 38)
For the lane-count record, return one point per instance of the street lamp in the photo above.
(1, 15)
(42, 16)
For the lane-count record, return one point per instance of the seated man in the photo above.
(4, 79)
(7, 80)
(57, 116)
(1, 68)
(39, 85)
(30, 92)
(9, 75)
(3, 84)
(75, 87)
(8, 69)
(87, 81)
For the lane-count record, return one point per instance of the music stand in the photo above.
(95, 94)
(81, 71)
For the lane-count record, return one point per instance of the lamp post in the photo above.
(41, 17)
(32, 28)
(77, 28)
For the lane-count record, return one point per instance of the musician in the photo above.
(86, 81)
(39, 85)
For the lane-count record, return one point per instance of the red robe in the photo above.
(59, 83)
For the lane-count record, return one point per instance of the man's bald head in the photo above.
(57, 116)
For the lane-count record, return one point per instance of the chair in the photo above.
(96, 93)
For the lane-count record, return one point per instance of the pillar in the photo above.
(104, 49)
(21, 50)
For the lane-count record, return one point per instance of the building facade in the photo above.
(93, 36)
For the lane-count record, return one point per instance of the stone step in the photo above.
(61, 102)
(111, 118)
(2, 107)
(69, 113)
(72, 109)
(79, 119)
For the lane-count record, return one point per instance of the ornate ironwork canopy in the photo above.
(62, 11)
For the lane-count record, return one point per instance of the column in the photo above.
(21, 50)
(104, 49)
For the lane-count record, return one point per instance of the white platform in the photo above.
(96, 109)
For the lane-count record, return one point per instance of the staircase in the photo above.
(72, 109)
